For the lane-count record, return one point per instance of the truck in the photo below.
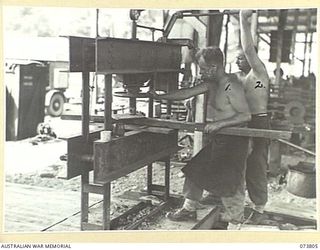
(49, 51)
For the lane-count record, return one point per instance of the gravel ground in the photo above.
(39, 165)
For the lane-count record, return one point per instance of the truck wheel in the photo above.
(55, 107)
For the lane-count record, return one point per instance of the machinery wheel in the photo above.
(55, 107)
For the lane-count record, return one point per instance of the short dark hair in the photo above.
(210, 54)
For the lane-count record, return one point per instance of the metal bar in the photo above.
(150, 28)
(108, 102)
(167, 179)
(297, 147)
(106, 206)
(85, 105)
(263, 39)
(84, 200)
(97, 22)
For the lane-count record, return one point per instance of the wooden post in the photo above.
(214, 28)
(226, 39)
(294, 35)
(281, 25)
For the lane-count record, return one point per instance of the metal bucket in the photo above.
(302, 180)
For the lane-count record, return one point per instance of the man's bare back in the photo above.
(256, 91)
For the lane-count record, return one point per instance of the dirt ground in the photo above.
(40, 166)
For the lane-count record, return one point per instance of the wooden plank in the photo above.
(293, 214)
(123, 155)
(191, 126)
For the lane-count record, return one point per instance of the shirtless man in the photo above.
(219, 167)
(255, 80)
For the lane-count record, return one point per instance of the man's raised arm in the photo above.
(181, 94)
(247, 42)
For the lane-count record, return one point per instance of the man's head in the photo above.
(242, 62)
(210, 61)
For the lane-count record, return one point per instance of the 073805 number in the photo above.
(309, 246)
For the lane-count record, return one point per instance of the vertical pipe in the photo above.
(226, 39)
(85, 105)
(97, 22)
